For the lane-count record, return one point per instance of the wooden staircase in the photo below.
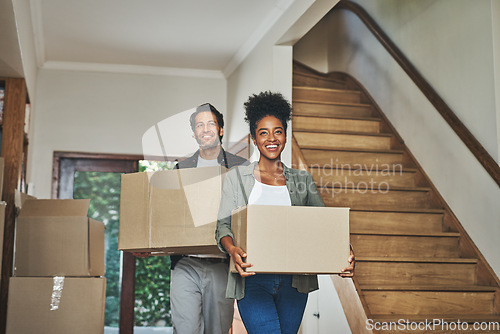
(414, 260)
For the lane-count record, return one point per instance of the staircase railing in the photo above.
(489, 164)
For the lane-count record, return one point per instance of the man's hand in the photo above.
(349, 271)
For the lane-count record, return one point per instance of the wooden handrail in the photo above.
(460, 129)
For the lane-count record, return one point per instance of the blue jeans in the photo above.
(271, 305)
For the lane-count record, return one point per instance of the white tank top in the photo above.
(264, 194)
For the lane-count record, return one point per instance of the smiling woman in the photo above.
(268, 303)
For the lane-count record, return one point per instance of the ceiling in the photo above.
(207, 36)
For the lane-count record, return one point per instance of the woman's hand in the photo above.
(237, 255)
(142, 254)
(349, 271)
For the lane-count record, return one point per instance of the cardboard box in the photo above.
(170, 212)
(292, 239)
(54, 237)
(56, 305)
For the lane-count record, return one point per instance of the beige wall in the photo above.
(109, 113)
(451, 43)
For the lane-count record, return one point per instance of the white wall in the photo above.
(495, 18)
(109, 113)
(451, 43)
(269, 65)
(23, 16)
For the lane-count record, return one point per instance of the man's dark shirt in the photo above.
(225, 159)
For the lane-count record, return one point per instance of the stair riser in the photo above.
(345, 178)
(394, 222)
(405, 246)
(373, 161)
(331, 140)
(314, 95)
(335, 124)
(302, 80)
(429, 302)
(314, 109)
(374, 198)
(415, 273)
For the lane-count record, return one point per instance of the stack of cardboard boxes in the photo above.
(58, 284)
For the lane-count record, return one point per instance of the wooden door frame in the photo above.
(95, 162)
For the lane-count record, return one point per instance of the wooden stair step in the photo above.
(342, 177)
(311, 80)
(440, 245)
(330, 109)
(428, 302)
(416, 234)
(338, 117)
(301, 69)
(382, 159)
(396, 222)
(376, 197)
(409, 259)
(418, 271)
(316, 94)
(307, 123)
(412, 287)
(342, 140)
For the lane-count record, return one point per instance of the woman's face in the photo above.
(270, 137)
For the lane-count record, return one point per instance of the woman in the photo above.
(268, 303)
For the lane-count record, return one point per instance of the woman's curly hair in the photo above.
(265, 104)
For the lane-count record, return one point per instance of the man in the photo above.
(198, 282)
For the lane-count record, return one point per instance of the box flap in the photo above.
(55, 208)
(96, 248)
(20, 198)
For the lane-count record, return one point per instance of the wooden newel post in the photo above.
(12, 152)
(127, 294)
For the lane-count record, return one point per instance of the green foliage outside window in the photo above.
(152, 286)
(103, 189)
(152, 277)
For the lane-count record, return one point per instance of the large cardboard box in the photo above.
(56, 305)
(54, 237)
(292, 239)
(170, 212)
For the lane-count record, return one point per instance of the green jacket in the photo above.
(303, 192)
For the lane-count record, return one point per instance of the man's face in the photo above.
(206, 130)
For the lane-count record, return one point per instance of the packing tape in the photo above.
(57, 289)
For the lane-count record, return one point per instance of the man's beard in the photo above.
(206, 145)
